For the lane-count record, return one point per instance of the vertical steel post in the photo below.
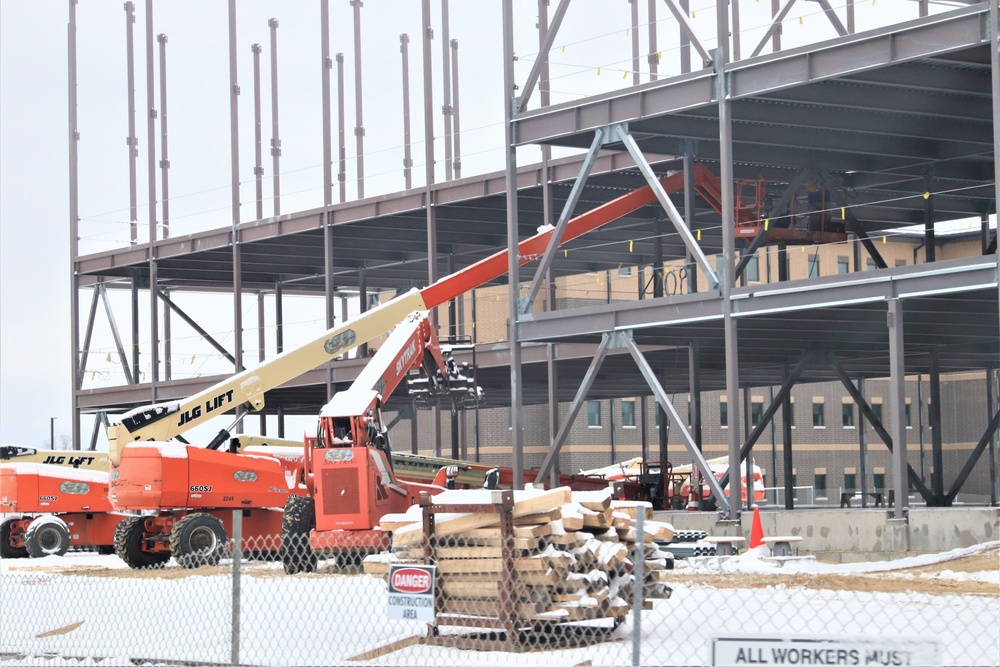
(728, 251)
(258, 169)
(995, 68)
(341, 132)
(414, 432)
(689, 218)
(164, 160)
(135, 327)
(786, 441)
(694, 385)
(359, 127)
(404, 48)
(325, 66)
(850, 15)
(736, 29)
(685, 41)
(456, 130)
(654, 55)
(990, 409)
(930, 246)
(154, 325)
(261, 346)
(234, 120)
(747, 428)
(862, 447)
(934, 418)
(131, 140)
(509, 99)
(897, 399)
(74, 221)
(168, 369)
(446, 89)
(634, 9)
(362, 303)
(776, 8)
(275, 141)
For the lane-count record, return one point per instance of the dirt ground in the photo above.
(916, 579)
(910, 580)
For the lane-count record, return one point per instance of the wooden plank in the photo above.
(484, 565)
(592, 519)
(594, 500)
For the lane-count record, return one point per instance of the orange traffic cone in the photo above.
(757, 530)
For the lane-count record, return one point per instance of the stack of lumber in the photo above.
(572, 554)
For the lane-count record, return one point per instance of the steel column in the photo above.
(132, 141)
(234, 120)
(689, 216)
(934, 418)
(167, 345)
(261, 346)
(510, 101)
(862, 448)
(455, 125)
(694, 383)
(404, 48)
(258, 169)
(164, 160)
(275, 140)
(654, 57)
(728, 250)
(685, 41)
(341, 132)
(634, 10)
(990, 406)
(74, 220)
(325, 65)
(446, 90)
(786, 442)
(359, 127)
(897, 392)
(930, 247)
(135, 325)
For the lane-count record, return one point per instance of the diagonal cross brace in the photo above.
(876, 424)
(543, 55)
(786, 388)
(620, 133)
(574, 408)
(600, 138)
(668, 407)
(973, 459)
(682, 20)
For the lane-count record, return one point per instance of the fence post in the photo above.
(234, 655)
(638, 587)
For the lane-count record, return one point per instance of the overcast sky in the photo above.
(593, 54)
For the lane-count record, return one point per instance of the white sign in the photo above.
(411, 593)
(765, 651)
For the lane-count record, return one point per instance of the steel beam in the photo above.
(275, 140)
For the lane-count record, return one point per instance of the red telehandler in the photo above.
(349, 471)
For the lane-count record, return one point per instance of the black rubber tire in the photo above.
(47, 535)
(198, 539)
(299, 518)
(129, 541)
(7, 550)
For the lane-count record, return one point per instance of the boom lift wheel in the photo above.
(198, 539)
(299, 518)
(7, 548)
(130, 536)
(46, 536)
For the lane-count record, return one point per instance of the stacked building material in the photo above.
(569, 556)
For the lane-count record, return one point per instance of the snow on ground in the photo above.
(328, 619)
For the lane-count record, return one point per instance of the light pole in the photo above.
(52, 432)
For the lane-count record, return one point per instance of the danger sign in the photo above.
(411, 593)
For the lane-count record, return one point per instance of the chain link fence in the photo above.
(526, 595)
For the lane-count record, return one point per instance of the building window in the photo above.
(723, 414)
(819, 418)
(847, 413)
(791, 414)
(850, 482)
(593, 413)
(814, 266)
(510, 418)
(843, 265)
(820, 485)
(756, 413)
(879, 484)
(624, 271)
(877, 411)
(870, 265)
(628, 413)
(900, 262)
(909, 421)
(753, 269)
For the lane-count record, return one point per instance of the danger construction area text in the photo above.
(411, 601)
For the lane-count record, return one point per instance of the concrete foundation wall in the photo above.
(853, 535)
